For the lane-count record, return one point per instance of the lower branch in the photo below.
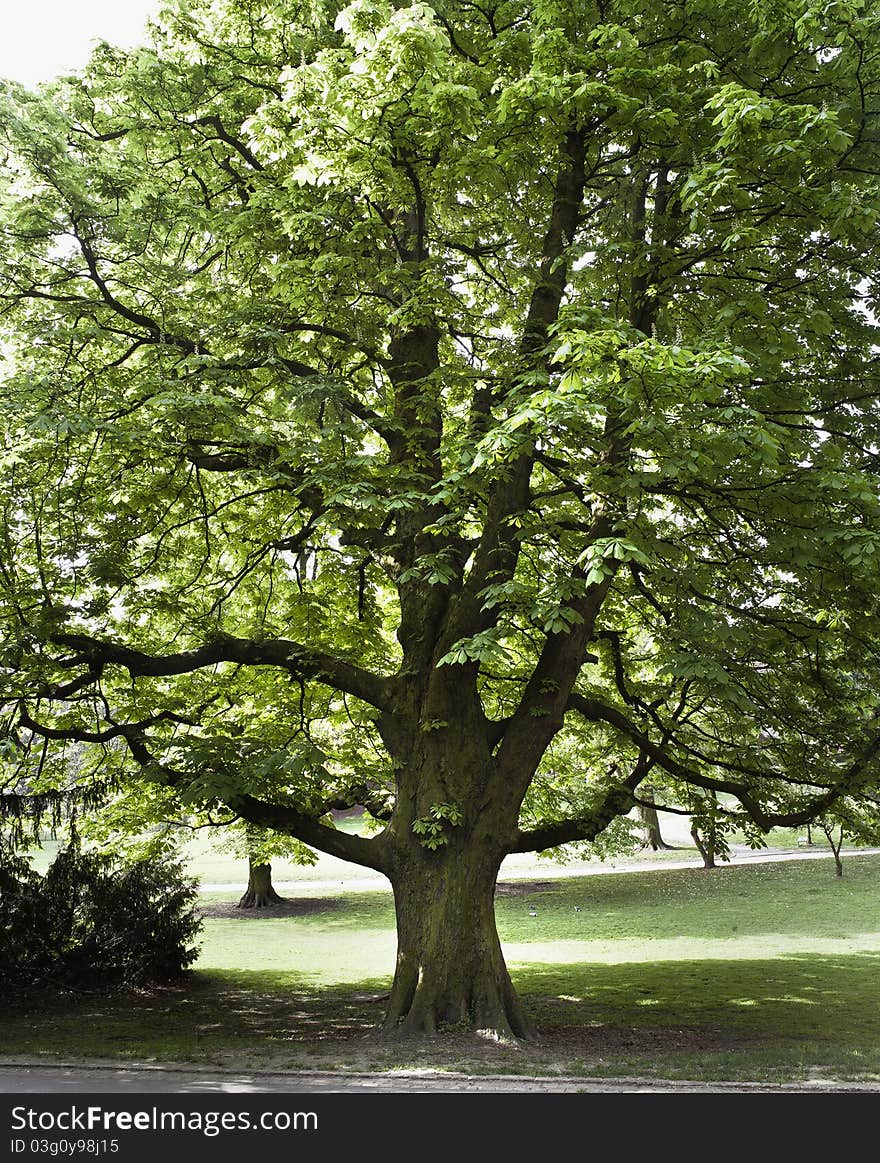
(370, 853)
(596, 711)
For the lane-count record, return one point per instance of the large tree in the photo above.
(464, 410)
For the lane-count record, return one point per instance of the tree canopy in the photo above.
(469, 411)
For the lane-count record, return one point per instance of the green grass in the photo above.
(761, 971)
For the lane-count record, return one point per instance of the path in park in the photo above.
(364, 879)
(739, 854)
(675, 829)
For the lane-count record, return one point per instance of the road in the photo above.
(27, 1078)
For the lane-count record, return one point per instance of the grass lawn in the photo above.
(752, 971)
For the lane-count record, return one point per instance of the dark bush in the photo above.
(95, 922)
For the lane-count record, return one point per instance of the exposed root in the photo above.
(260, 900)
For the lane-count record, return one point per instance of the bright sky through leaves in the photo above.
(43, 38)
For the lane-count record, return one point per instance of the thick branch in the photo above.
(298, 660)
(224, 135)
(370, 853)
(616, 802)
(498, 550)
(76, 735)
(541, 709)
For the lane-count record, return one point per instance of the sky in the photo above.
(41, 38)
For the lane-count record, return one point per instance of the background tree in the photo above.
(406, 398)
(859, 822)
(260, 892)
(709, 828)
(650, 820)
(259, 847)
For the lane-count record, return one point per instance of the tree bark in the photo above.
(259, 893)
(450, 969)
(651, 824)
(706, 848)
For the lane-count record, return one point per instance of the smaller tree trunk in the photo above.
(260, 893)
(835, 844)
(705, 848)
(651, 825)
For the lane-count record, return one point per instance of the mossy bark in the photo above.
(450, 970)
(454, 822)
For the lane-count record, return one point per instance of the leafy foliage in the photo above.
(432, 828)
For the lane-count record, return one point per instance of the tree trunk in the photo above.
(260, 893)
(834, 845)
(651, 824)
(450, 968)
(706, 848)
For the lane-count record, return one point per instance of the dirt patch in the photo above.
(558, 1046)
(568, 1050)
(602, 1041)
(301, 907)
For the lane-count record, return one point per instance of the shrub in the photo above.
(94, 921)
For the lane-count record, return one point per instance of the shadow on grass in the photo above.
(792, 996)
(287, 907)
(354, 911)
(765, 1018)
(205, 1017)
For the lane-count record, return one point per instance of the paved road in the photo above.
(70, 1078)
(739, 855)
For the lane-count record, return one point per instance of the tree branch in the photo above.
(76, 735)
(596, 711)
(616, 802)
(223, 134)
(370, 853)
(298, 660)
